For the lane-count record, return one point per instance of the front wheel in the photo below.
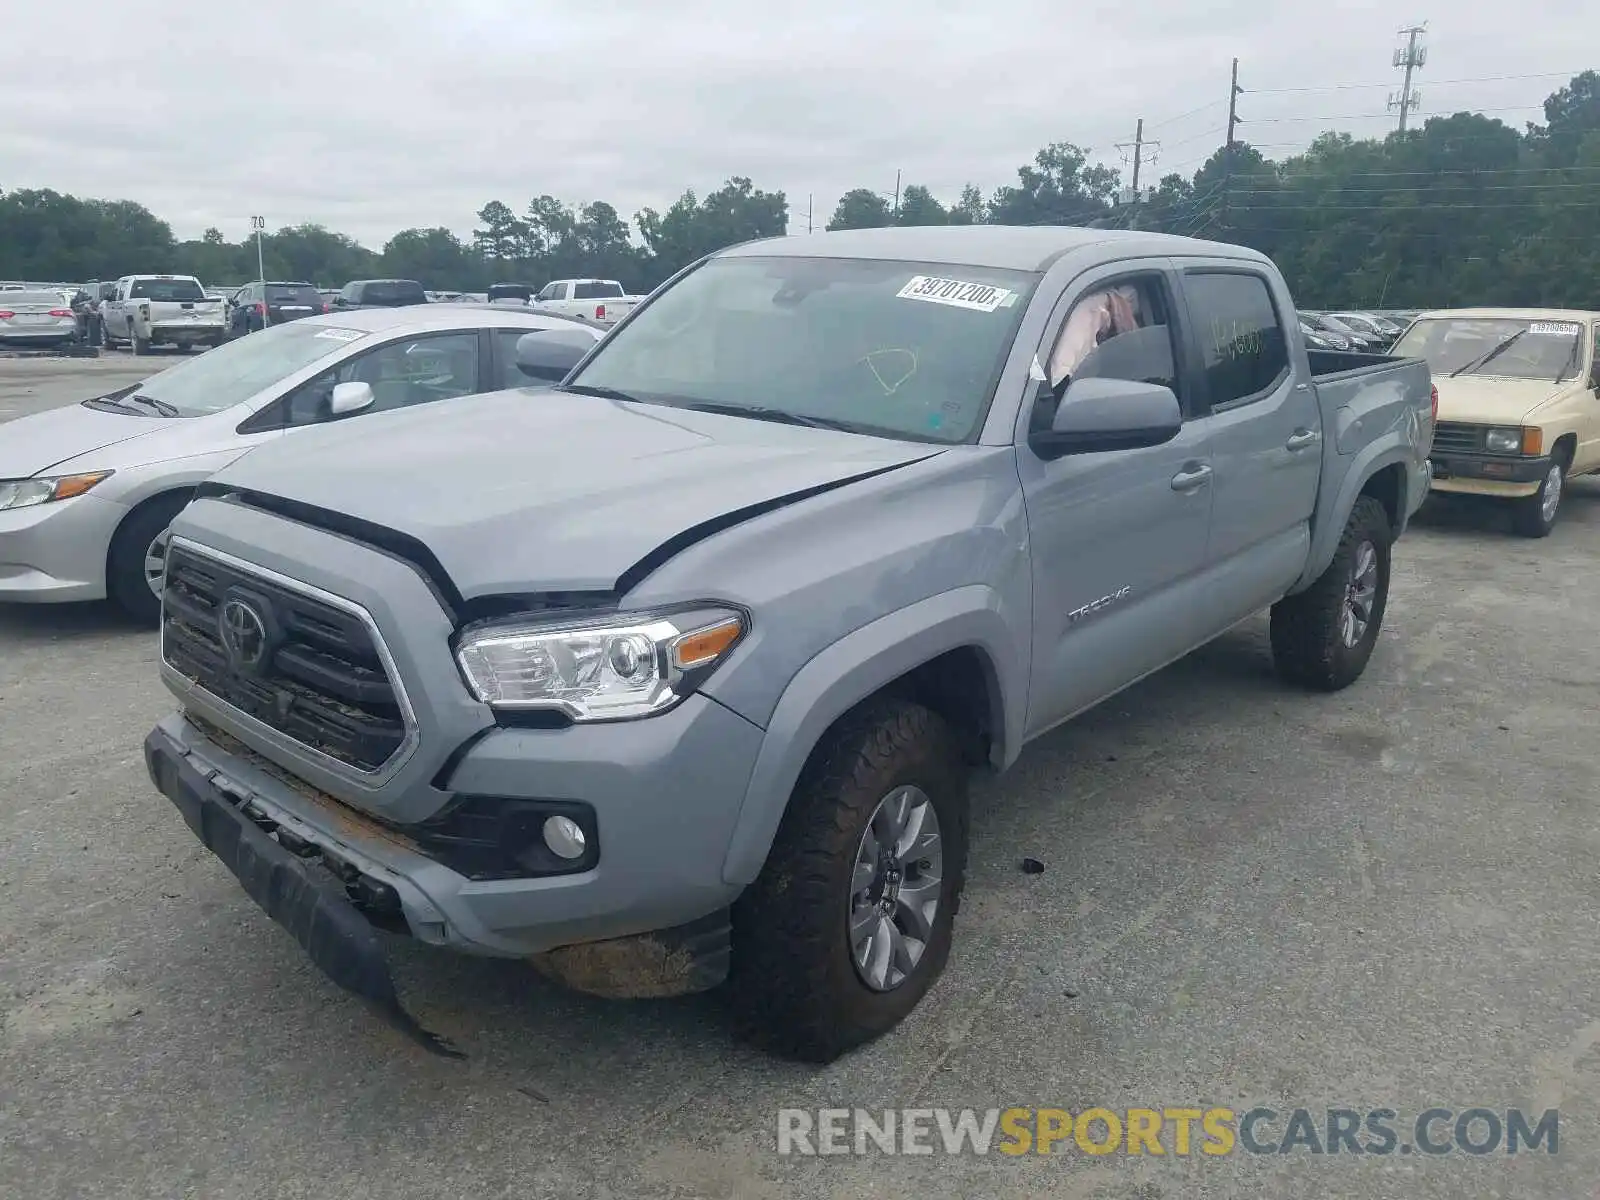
(1535, 516)
(141, 346)
(137, 563)
(1322, 637)
(850, 921)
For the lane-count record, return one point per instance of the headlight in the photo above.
(606, 669)
(1503, 441)
(25, 493)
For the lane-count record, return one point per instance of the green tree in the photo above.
(500, 237)
(970, 208)
(918, 207)
(861, 208)
(1060, 187)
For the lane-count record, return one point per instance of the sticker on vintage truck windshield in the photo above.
(982, 297)
(1554, 328)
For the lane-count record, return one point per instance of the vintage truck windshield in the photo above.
(1510, 348)
(896, 349)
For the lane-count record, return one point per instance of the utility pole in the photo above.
(808, 212)
(897, 197)
(259, 224)
(1411, 57)
(1138, 147)
(1234, 92)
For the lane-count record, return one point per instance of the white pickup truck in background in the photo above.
(597, 299)
(150, 310)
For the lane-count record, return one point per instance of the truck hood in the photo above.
(538, 491)
(36, 443)
(1484, 401)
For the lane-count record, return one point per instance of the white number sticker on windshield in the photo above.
(983, 297)
(1554, 328)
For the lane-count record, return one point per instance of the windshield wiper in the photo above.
(778, 415)
(161, 406)
(1485, 359)
(604, 393)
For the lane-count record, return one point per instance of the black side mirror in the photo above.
(1098, 414)
(549, 355)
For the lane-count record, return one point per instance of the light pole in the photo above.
(259, 224)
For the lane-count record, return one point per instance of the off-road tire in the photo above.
(793, 985)
(1527, 513)
(125, 579)
(1307, 647)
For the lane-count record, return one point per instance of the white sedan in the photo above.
(87, 491)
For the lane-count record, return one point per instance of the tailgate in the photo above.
(185, 312)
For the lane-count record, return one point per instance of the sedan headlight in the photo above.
(25, 493)
(599, 669)
(1503, 441)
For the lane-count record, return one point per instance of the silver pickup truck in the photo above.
(674, 674)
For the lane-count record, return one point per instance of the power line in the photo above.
(1407, 208)
(1373, 116)
(1347, 87)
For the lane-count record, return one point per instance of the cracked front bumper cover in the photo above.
(299, 894)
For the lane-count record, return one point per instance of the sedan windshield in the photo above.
(1510, 348)
(897, 349)
(234, 372)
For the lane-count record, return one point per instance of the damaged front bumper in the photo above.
(333, 878)
(295, 889)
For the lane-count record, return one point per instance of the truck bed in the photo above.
(1334, 364)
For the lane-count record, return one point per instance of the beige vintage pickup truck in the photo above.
(1519, 403)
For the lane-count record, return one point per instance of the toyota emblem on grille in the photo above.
(244, 634)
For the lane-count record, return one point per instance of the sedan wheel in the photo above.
(155, 564)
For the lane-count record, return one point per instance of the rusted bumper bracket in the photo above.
(667, 962)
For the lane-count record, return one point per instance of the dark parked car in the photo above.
(380, 293)
(257, 305)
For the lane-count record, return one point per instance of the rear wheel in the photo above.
(136, 565)
(1535, 516)
(1322, 637)
(850, 922)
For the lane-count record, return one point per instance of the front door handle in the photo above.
(1301, 438)
(1187, 481)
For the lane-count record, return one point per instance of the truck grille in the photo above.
(1452, 437)
(301, 666)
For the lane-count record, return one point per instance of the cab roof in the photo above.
(1579, 315)
(1003, 247)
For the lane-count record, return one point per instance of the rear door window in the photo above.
(1243, 352)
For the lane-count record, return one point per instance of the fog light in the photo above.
(564, 837)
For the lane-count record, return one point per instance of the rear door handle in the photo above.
(1187, 481)
(1301, 438)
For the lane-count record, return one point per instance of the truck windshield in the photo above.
(165, 290)
(1509, 348)
(904, 350)
(235, 371)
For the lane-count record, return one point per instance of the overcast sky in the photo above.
(369, 116)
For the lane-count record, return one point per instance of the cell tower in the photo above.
(1411, 56)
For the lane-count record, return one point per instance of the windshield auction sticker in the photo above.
(341, 335)
(1554, 328)
(957, 293)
